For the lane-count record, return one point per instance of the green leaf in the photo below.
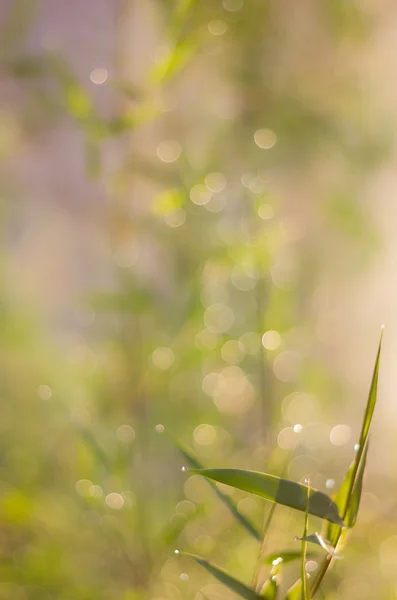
(244, 521)
(234, 584)
(282, 491)
(286, 556)
(295, 592)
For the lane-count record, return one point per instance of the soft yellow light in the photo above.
(232, 5)
(215, 182)
(271, 340)
(266, 212)
(175, 218)
(44, 392)
(340, 435)
(115, 501)
(265, 138)
(217, 27)
(169, 151)
(125, 433)
(205, 434)
(218, 318)
(200, 194)
(99, 75)
(163, 358)
(232, 352)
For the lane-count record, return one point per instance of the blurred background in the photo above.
(198, 221)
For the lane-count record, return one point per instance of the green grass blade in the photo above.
(244, 522)
(349, 494)
(354, 504)
(282, 491)
(295, 592)
(306, 595)
(345, 493)
(348, 497)
(234, 584)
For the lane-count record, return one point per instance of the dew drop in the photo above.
(274, 578)
(329, 484)
(356, 447)
(176, 551)
(306, 480)
(184, 577)
(159, 428)
(298, 428)
(184, 469)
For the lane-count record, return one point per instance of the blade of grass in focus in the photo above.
(244, 522)
(347, 488)
(282, 491)
(349, 495)
(234, 584)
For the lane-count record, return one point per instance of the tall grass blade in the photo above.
(234, 584)
(306, 595)
(244, 522)
(282, 491)
(349, 495)
(346, 491)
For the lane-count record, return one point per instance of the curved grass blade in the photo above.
(295, 592)
(286, 556)
(282, 491)
(244, 522)
(234, 584)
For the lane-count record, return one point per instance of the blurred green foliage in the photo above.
(242, 157)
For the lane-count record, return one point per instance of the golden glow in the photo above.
(271, 340)
(125, 433)
(340, 435)
(163, 358)
(99, 76)
(169, 151)
(265, 138)
(115, 501)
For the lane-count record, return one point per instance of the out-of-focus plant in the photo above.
(239, 177)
